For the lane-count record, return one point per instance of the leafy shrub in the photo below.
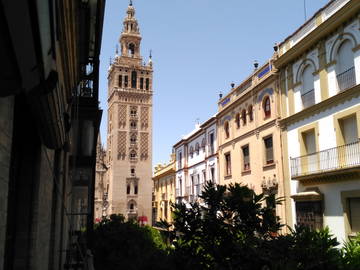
(351, 253)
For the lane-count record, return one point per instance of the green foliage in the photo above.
(233, 228)
(351, 253)
(126, 245)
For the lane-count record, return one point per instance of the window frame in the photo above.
(268, 161)
(227, 129)
(245, 166)
(267, 111)
(227, 157)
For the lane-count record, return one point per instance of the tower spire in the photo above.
(130, 37)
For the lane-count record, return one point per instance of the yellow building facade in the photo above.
(249, 136)
(163, 191)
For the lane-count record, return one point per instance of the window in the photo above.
(133, 125)
(128, 189)
(141, 83)
(131, 49)
(204, 176)
(307, 90)
(354, 214)
(251, 115)
(126, 81)
(197, 148)
(345, 66)
(132, 171)
(212, 172)
(133, 111)
(120, 80)
(227, 164)
(180, 160)
(203, 144)
(191, 151)
(133, 139)
(269, 154)
(133, 155)
(309, 214)
(136, 190)
(237, 120)
(267, 107)
(133, 79)
(227, 129)
(243, 116)
(246, 158)
(147, 83)
(310, 162)
(211, 141)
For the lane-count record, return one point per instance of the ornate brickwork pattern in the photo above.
(144, 145)
(144, 117)
(121, 144)
(122, 116)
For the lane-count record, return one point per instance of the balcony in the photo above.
(308, 98)
(346, 79)
(339, 160)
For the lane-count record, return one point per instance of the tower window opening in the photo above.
(147, 83)
(120, 80)
(133, 79)
(126, 81)
(136, 190)
(131, 49)
(128, 189)
(141, 83)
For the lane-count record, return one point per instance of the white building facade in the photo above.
(196, 161)
(320, 87)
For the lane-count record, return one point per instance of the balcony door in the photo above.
(350, 136)
(310, 147)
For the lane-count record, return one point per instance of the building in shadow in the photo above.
(49, 122)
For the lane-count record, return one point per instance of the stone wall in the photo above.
(6, 127)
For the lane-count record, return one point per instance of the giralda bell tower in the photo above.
(130, 126)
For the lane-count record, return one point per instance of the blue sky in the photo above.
(199, 48)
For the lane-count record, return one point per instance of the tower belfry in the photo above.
(130, 125)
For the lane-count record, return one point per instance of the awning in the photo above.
(311, 195)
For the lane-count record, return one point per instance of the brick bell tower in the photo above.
(129, 138)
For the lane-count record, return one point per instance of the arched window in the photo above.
(133, 79)
(237, 120)
(133, 124)
(128, 189)
(147, 83)
(133, 139)
(136, 190)
(345, 66)
(132, 206)
(251, 114)
(307, 90)
(243, 116)
(131, 49)
(267, 107)
(141, 83)
(133, 155)
(227, 129)
(197, 148)
(191, 151)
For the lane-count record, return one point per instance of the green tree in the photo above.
(126, 245)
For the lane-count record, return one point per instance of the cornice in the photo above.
(322, 106)
(325, 28)
(270, 78)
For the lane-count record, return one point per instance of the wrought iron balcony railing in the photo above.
(308, 98)
(337, 158)
(346, 79)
